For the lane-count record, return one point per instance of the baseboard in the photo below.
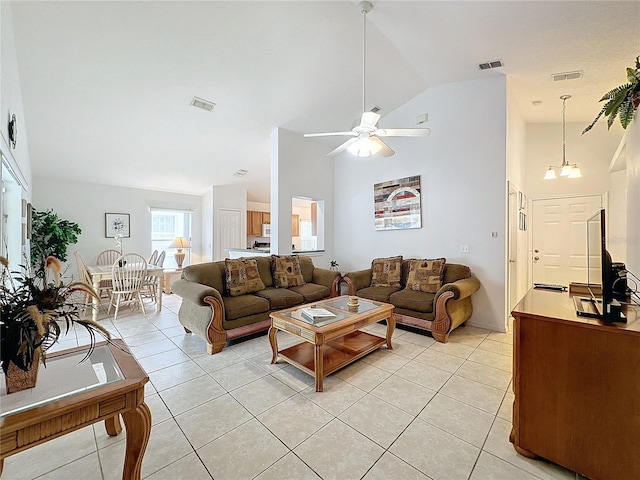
(480, 324)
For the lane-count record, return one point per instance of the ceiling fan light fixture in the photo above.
(364, 147)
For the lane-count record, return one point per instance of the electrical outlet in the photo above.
(464, 248)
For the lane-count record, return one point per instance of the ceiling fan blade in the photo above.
(369, 119)
(385, 151)
(402, 132)
(342, 147)
(330, 134)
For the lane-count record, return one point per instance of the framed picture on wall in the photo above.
(29, 220)
(116, 223)
(522, 201)
(396, 204)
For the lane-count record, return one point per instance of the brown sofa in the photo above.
(209, 311)
(439, 313)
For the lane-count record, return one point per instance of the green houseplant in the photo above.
(33, 311)
(622, 101)
(50, 237)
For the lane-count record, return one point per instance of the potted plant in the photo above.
(32, 310)
(50, 237)
(622, 101)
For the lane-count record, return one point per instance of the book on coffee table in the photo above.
(314, 314)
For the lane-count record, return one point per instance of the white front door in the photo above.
(229, 231)
(559, 238)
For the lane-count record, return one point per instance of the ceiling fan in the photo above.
(366, 136)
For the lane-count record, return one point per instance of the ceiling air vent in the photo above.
(559, 77)
(203, 104)
(488, 65)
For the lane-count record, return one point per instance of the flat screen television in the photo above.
(600, 274)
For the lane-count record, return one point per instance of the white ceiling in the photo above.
(106, 85)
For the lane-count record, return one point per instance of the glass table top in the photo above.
(338, 307)
(65, 375)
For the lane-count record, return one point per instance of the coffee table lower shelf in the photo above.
(336, 353)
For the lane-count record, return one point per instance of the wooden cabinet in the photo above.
(255, 220)
(295, 225)
(576, 382)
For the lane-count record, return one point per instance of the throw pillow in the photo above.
(242, 276)
(387, 272)
(286, 271)
(425, 274)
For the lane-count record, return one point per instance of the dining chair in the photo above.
(85, 277)
(152, 282)
(128, 272)
(153, 258)
(106, 257)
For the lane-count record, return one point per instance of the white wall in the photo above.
(11, 102)
(463, 173)
(617, 216)
(633, 196)
(86, 204)
(207, 226)
(516, 160)
(300, 168)
(592, 152)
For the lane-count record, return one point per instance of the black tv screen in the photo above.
(599, 263)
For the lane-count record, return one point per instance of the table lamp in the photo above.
(180, 243)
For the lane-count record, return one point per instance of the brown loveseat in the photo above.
(210, 311)
(439, 313)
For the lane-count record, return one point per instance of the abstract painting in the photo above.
(397, 204)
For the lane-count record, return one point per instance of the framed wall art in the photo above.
(115, 223)
(397, 204)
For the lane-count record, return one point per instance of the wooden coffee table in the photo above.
(333, 343)
(70, 395)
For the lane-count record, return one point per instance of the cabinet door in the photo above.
(254, 224)
(266, 219)
(295, 225)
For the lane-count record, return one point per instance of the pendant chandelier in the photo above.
(566, 170)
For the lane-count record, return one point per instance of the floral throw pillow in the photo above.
(286, 271)
(242, 276)
(387, 272)
(425, 275)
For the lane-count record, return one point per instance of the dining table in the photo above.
(105, 272)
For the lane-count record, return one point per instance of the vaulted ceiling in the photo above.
(106, 85)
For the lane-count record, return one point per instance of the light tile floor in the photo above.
(423, 410)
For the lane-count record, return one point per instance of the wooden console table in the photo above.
(71, 395)
(576, 382)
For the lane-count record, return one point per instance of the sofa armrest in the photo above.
(202, 312)
(460, 288)
(328, 278)
(358, 280)
(194, 292)
(453, 306)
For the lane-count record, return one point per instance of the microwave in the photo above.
(266, 230)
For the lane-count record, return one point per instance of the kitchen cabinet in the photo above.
(255, 220)
(295, 225)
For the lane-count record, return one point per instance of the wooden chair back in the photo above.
(107, 257)
(129, 272)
